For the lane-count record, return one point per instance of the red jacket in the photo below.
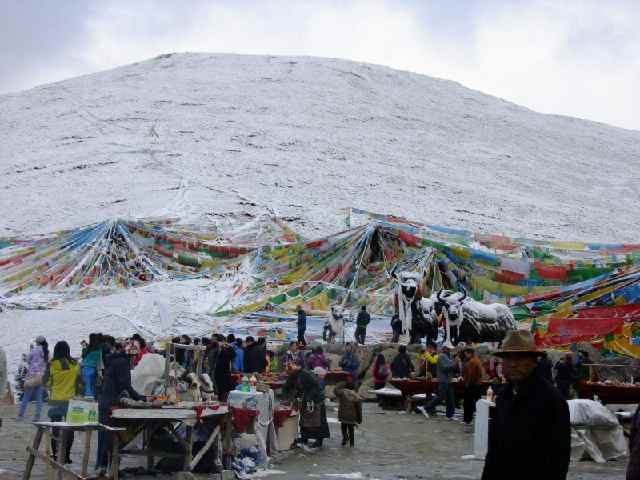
(380, 375)
(141, 353)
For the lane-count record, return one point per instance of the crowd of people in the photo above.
(531, 407)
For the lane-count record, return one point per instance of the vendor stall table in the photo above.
(150, 421)
(335, 376)
(45, 429)
(254, 411)
(409, 386)
(610, 393)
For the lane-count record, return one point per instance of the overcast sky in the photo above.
(578, 58)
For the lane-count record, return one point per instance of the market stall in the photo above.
(609, 392)
(208, 426)
(335, 376)
(416, 386)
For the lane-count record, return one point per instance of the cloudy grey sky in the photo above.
(578, 58)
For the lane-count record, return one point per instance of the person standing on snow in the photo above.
(361, 325)
(302, 326)
(3, 376)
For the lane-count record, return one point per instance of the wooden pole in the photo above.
(115, 457)
(62, 451)
(167, 366)
(60, 469)
(188, 454)
(146, 442)
(48, 473)
(86, 453)
(32, 453)
(205, 448)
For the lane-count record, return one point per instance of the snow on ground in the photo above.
(192, 134)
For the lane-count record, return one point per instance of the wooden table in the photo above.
(45, 430)
(152, 421)
(610, 393)
(335, 376)
(410, 386)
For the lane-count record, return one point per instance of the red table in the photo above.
(409, 386)
(609, 393)
(335, 376)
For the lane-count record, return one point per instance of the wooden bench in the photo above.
(389, 398)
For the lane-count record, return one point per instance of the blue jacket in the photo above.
(445, 368)
(117, 379)
(302, 320)
(238, 361)
(349, 363)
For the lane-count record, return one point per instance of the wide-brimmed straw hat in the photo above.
(517, 342)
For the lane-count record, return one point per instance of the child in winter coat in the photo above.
(349, 410)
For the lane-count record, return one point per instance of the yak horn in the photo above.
(465, 294)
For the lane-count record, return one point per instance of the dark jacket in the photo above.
(565, 374)
(255, 358)
(349, 404)
(224, 382)
(633, 468)
(302, 320)
(304, 385)
(544, 369)
(529, 434)
(363, 319)
(401, 366)
(117, 379)
(212, 360)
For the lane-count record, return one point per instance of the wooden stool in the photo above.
(413, 400)
(389, 399)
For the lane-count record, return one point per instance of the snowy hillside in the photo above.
(186, 134)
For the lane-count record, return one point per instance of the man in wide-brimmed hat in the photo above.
(529, 434)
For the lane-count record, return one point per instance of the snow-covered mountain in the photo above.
(186, 134)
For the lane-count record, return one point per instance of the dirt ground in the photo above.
(389, 445)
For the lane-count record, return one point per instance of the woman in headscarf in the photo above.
(303, 386)
(62, 376)
(33, 387)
